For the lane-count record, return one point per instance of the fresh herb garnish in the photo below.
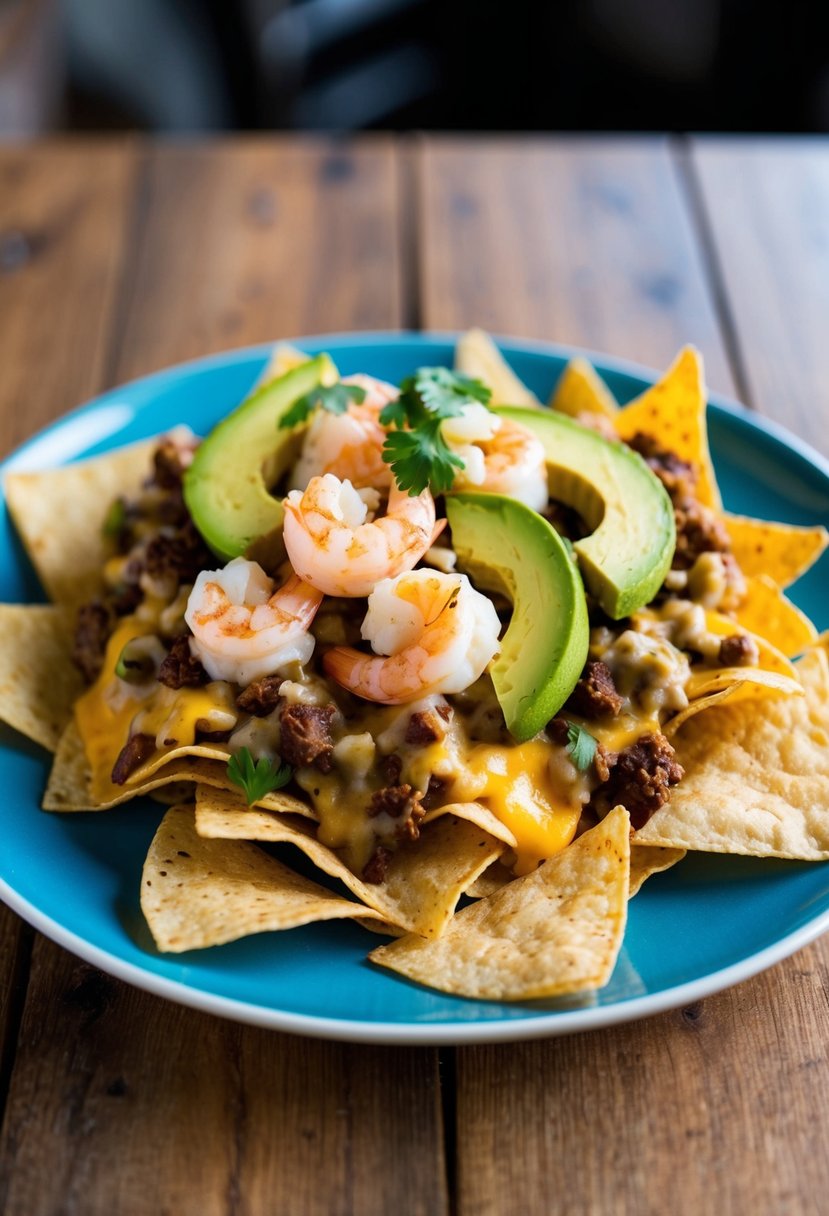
(257, 778)
(115, 518)
(581, 745)
(416, 450)
(335, 398)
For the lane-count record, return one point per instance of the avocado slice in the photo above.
(625, 558)
(226, 487)
(509, 548)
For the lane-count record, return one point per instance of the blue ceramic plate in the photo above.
(710, 922)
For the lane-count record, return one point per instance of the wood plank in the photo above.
(253, 240)
(138, 1105)
(575, 241)
(767, 205)
(717, 1107)
(63, 226)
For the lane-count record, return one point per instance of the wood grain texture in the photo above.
(767, 207)
(137, 1105)
(573, 241)
(258, 239)
(717, 1108)
(64, 212)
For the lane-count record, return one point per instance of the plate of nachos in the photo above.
(419, 689)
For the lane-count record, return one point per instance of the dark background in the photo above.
(578, 65)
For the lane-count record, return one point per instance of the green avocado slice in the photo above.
(226, 487)
(625, 558)
(507, 547)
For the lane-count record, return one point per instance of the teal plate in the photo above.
(710, 922)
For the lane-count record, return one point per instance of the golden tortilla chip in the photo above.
(492, 880)
(197, 893)
(553, 932)
(284, 358)
(646, 860)
(477, 355)
(424, 880)
(581, 390)
(768, 613)
(59, 514)
(672, 412)
(38, 680)
(707, 689)
(756, 776)
(779, 551)
(474, 812)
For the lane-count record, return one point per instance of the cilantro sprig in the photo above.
(581, 745)
(335, 398)
(257, 778)
(415, 448)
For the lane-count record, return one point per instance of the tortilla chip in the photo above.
(197, 893)
(475, 812)
(424, 880)
(756, 776)
(556, 931)
(707, 689)
(59, 514)
(779, 551)
(646, 860)
(492, 880)
(672, 412)
(477, 355)
(38, 681)
(284, 358)
(768, 613)
(581, 390)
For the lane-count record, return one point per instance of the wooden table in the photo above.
(118, 257)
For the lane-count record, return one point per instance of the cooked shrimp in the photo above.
(500, 456)
(333, 548)
(350, 444)
(437, 632)
(244, 628)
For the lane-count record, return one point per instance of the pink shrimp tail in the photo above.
(353, 670)
(299, 600)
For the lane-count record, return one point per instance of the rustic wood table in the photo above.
(118, 257)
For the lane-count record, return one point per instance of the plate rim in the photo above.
(447, 1032)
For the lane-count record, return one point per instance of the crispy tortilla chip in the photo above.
(38, 681)
(492, 880)
(197, 893)
(707, 689)
(779, 551)
(756, 776)
(474, 812)
(556, 931)
(424, 880)
(581, 390)
(477, 355)
(646, 860)
(284, 358)
(672, 411)
(59, 514)
(769, 614)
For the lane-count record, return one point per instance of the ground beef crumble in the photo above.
(179, 554)
(93, 627)
(640, 777)
(375, 869)
(595, 694)
(180, 669)
(306, 736)
(425, 727)
(135, 751)
(261, 697)
(738, 650)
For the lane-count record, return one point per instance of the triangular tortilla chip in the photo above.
(581, 390)
(477, 355)
(197, 893)
(756, 776)
(672, 411)
(556, 931)
(424, 880)
(779, 551)
(769, 614)
(59, 514)
(38, 681)
(646, 860)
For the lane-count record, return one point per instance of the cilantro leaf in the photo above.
(115, 518)
(420, 458)
(257, 778)
(581, 745)
(335, 398)
(444, 393)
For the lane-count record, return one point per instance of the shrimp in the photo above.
(437, 634)
(500, 456)
(244, 628)
(332, 547)
(350, 444)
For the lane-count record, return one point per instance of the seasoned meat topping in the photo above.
(392, 800)
(179, 554)
(698, 530)
(180, 669)
(679, 477)
(374, 871)
(738, 650)
(641, 776)
(425, 727)
(595, 694)
(435, 792)
(92, 630)
(135, 751)
(169, 463)
(261, 697)
(306, 736)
